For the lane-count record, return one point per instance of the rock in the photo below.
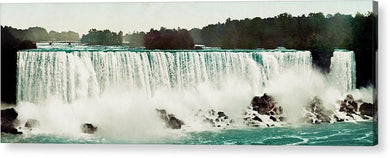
(221, 115)
(173, 122)
(367, 109)
(265, 105)
(170, 120)
(8, 121)
(349, 105)
(257, 119)
(272, 118)
(263, 112)
(31, 124)
(88, 128)
(351, 109)
(316, 112)
(216, 119)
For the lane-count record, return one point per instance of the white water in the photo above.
(343, 70)
(119, 91)
(78, 75)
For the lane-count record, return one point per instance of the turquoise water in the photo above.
(340, 134)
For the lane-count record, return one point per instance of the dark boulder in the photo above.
(272, 118)
(88, 128)
(367, 109)
(260, 106)
(257, 119)
(349, 105)
(265, 105)
(170, 120)
(8, 121)
(221, 115)
(173, 122)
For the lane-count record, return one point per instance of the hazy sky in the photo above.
(129, 17)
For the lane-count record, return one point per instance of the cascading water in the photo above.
(80, 74)
(343, 70)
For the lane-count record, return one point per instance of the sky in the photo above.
(136, 16)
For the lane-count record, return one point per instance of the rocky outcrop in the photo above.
(8, 121)
(215, 119)
(170, 120)
(88, 128)
(352, 109)
(263, 111)
(316, 112)
(349, 105)
(265, 105)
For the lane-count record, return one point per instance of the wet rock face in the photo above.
(265, 105)
(349, 105)
(263, 112)
(316, 112)
(355, 109)
(170, 120)
(216, 119)
(88, 128)
(8, 121)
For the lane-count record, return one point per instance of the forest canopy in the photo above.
(136, 39)
(39, 34)
(168, 39)
(102, 37)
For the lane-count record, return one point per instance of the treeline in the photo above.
(161, 39)
(39, 34)
(135, 39)
(168, 39)
(102, 37)
(64, 36)
(304, 32)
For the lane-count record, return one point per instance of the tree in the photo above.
(135, 39)
(105, 37)
(168, 39)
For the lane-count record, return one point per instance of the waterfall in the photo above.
(76, 74)
(343, 70)
(107, 86)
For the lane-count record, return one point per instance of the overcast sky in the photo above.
(129, 17)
